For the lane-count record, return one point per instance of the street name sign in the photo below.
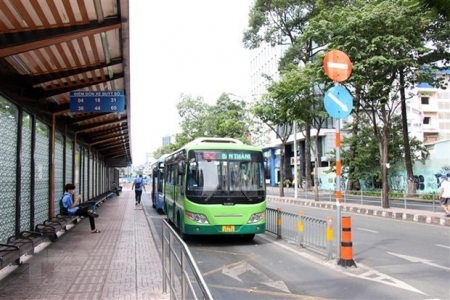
(338, 102)
(337, 65)
(97, 101)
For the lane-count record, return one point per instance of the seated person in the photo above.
(69, 207)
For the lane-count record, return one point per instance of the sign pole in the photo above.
(338, 102)
(338, 186)
(295, 162)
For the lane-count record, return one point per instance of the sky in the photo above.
(190, 47)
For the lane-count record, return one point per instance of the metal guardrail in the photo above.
(305, 231)
(180, 272)
(182, 278)
(426, 202)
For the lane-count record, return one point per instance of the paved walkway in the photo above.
(121, 262)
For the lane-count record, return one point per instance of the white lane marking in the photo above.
(368, 230)
(234, 273)
(279, 285)
(419, 260)
(369, 274)
(443, 246)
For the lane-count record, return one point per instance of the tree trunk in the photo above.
(384, 169)
(406, 146)
(353, 147)
(281, 184)
(307, 156)
(316, 170)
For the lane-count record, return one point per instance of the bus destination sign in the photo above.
(97, 101)
(212, 155)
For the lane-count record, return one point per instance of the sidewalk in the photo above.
(121, 262)
(422, 216)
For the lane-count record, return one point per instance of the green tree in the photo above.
(275, 113)
(441, 7)
(381, 39)
(195, 119)
(282, 22)
(304, 105)
(365, 163)
(163, 150)
(227, 118)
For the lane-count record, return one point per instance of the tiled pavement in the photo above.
(121, 262)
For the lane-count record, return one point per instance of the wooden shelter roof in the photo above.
(49, 48)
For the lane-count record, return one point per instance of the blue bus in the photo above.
(157, 193)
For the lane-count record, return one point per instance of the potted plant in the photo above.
(287, 182)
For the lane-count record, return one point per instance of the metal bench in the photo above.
(51, 229)
(9, 254)
(102, 198)
(27, 241)
(56, 226)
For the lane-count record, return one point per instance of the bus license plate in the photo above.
(229, 228)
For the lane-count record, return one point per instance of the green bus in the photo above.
(216, 186)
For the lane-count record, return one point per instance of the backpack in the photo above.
(137, 185)
(62, 209)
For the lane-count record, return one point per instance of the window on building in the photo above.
(425, 100)
(444, 125)
(426, 120)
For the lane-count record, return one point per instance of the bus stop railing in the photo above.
(309, 232)
(181, 276)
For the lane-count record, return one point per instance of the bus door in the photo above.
(155, 189)
(169, 185)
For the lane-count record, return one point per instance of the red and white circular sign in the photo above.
(337, 65)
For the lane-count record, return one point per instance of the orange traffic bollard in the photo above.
(346, 244)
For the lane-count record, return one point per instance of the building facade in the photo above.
(168, 139)
(429, 112)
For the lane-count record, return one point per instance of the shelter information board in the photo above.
(97, 101)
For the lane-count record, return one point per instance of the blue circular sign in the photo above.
(338, 102)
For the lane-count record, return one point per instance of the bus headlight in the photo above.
(199, 218)
(257, 217)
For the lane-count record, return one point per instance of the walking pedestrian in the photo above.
(70, 207)
(138, 185)
(444, 194)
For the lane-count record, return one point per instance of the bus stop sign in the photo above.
(337, 65)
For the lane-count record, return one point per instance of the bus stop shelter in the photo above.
(51, 48)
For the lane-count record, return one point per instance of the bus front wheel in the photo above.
(183, 236)
(247, 237)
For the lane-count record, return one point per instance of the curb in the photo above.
(392, 213)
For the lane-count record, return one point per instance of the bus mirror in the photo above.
(181, 167)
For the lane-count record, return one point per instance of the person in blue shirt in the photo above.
(70, 207)
(138, 185)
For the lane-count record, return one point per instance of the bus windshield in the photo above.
(225, 176)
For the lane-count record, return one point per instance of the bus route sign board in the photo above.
(97, 101)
